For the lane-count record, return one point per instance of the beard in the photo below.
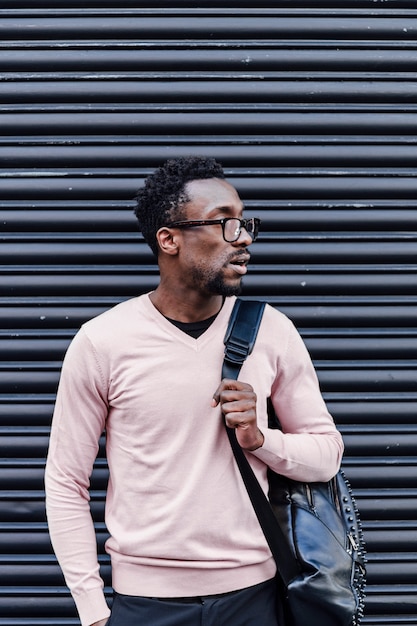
(215, 284)
(218, 287)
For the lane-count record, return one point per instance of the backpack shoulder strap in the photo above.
(241, 333)
(239, 341)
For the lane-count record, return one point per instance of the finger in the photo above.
(241, 405)
(240, 420)
(229, 384)
(216, 396)
(220, 389)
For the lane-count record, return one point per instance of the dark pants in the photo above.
(254, 606)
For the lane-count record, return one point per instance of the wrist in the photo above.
(258, 443)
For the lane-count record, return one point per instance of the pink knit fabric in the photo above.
(179, 518)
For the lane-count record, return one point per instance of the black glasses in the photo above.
(231, 226)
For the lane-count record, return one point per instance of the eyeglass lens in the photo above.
(233, 228)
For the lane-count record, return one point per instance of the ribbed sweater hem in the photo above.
(146, 580)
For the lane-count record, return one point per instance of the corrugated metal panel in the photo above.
(312, 110)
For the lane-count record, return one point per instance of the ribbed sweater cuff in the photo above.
(91, 606)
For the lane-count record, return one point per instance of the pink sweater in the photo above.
(179, 518)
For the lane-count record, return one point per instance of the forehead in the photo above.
(212, 195)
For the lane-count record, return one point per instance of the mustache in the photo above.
(240, 255)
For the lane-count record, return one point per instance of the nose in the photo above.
(244, 238)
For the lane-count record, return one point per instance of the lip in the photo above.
(240, 258)
(239, 264)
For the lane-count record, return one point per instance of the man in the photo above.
(185, 545)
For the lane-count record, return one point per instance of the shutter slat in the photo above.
(311, 109)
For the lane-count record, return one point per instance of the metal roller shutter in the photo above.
(312, 110)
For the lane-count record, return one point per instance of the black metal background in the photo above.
(311, 108)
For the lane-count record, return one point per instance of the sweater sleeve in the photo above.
(307, 447)
(77, 425)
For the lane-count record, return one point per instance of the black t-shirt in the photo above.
(194, 329)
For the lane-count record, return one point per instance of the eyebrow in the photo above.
(226, 209)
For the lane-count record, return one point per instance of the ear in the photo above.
(167, 240)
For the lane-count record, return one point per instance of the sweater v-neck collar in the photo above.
(221, 319)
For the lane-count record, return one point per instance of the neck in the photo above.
(185, 307)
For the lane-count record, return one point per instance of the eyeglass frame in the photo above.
(243, 222)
